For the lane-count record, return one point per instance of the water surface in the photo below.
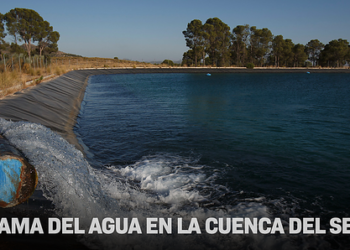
(192, 146)
(271, 135)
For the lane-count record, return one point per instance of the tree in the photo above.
(205, 42)
(277, 46)
(207, 29)
(335, 53)
(260, 44)
(240, 36)
(16, 49)
(282, 51)
(194, 37)
(254, 43)
(11, 24)
(313, 49)
(299, 55)
(25, 23)
(287, 55)
(188, 58)
(219, 41)
(3, 44)
(45, 36)
(52, 48)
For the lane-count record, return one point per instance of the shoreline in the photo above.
(56, 103)
(137, 70)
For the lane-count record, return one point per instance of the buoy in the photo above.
(18, 178)
(208, 74)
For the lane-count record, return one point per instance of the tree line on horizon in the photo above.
(213, 43)
(27, 26)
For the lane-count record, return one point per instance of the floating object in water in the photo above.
(18, 178)
(208, 74)
(308, 72)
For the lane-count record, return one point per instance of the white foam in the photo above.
(65, 176)
(156, 186)
(172, 183)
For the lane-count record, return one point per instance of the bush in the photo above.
(250, 66)
(169, 62)
(58, 71)
(26, 67)
(31, 72)
(37, 81)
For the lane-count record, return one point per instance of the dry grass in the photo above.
(73, 63)
(13, 80)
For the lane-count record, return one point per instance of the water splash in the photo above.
(164, 186)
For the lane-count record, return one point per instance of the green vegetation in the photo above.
(213, 44)
(250, 66)
(168, 62)
(28, 26)
(3, 44)
(314, 48)
(16, 49)
(212, 38)
(38, 41)
(335, 53)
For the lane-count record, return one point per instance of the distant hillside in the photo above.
(64, 54)
(59, 53)
(33, 47)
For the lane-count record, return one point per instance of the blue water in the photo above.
(269, 134)
(267, 137)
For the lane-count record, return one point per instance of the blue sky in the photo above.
(152, 30)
